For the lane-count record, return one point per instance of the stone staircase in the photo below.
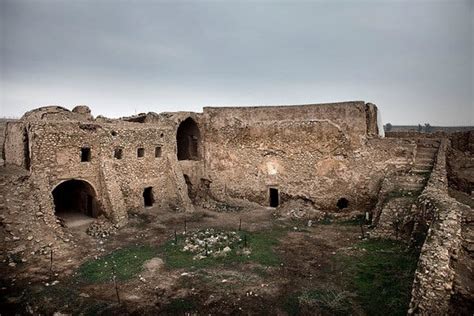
(397, 205)
(426, 150)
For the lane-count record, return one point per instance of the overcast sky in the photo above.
(414, 59)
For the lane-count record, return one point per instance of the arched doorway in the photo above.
(74, 197)
(188, 139)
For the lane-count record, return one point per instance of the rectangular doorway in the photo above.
(148, 196)
(274, 197)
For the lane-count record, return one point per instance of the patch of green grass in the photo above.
(354, 221)
(261, 271)
(319, 301)
(327, 220)
(95, 309)
(179, 306)
(261, 244)
(327, 300)
(127, 262)
(381, 276)
(291, 304)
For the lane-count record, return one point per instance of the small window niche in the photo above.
(157, 151)
(140, 152)
(85, 154)
(118, 153)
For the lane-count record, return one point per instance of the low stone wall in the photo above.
(432, 286)
(413, 134)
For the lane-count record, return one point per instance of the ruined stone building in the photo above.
(330, 157)
(267, 155)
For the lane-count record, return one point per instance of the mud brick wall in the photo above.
(433, 283)
(118, 183)
(15, 145)
(319, 153)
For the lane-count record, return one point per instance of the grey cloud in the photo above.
(412, 58)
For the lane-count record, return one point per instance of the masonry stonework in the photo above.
(329, 158)
(303, 151)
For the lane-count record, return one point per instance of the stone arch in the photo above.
(75, 196)
(188, 140)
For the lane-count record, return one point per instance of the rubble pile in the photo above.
(101, 228)
(298, 209)
(211, 243)
(219, 206)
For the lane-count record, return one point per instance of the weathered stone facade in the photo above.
(316, 153)
(319, 153)
(433, 284)
(326, 157)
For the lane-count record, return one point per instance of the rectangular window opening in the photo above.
(118, 153)
(157, 151)
(85, 154)
(140, 152)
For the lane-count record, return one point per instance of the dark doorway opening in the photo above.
(342, 203)
(188, 140)
(274, 197)
(148, 198)
(75, 196)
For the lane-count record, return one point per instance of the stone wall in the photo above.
(432, 286)
(16, 145)
(3, 130)
(461, 161)
(319, 153)
(119, 183)
(415, 134)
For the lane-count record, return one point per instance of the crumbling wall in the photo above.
(434, 275)
(58, 113)
(371, 112)
(119, 180)
(3, 131)
(461, 161)
(317, 152)
(350, 117)
(16, 146)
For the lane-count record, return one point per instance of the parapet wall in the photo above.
(434, 275)
(356, 119)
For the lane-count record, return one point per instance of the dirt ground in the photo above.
(308, 255)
